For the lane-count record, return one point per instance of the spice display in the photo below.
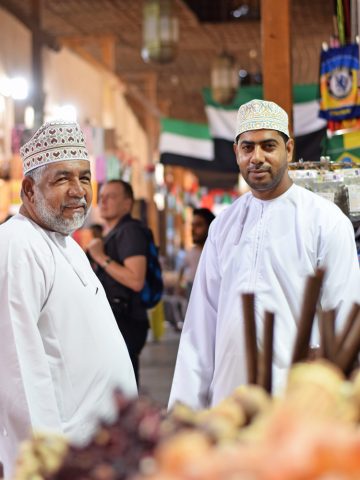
(310, 432)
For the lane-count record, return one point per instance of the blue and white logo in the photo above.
(340, 82)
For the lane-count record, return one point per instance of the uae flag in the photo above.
(209, 147)
(309, 128)
(186, 144)
(190, 145)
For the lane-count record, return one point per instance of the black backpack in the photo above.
(153, 289)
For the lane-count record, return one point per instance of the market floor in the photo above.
(157, 363)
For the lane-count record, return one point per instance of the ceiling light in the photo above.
(241, 11)
(19, 88)
(160, 31)
(224, 78)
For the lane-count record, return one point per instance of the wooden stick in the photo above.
(339, 342)
(265, 372)
(250, 336)
(350, 348)
(327, 335)
(311, 295)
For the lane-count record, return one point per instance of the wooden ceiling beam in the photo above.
(44, 37)
(108, 52)
(86, 39)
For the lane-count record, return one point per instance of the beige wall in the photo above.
(68, 79)
(99, 99)
(15, 60)
(132, 136)
(15, 46)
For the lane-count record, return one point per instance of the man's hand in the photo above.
(96, 250)
(180, 289)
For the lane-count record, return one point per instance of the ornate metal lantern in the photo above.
(160, 31)
(224, 78)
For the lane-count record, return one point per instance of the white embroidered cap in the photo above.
(55, 141)
(261, 114)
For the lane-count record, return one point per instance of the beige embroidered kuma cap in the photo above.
(55, 141)
(261, 114)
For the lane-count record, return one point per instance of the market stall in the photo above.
(310, 431)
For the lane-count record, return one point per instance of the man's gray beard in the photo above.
(55, 222)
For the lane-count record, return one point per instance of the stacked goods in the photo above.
(115, 452)
(311, 433)
(40, 456)
(223, 423)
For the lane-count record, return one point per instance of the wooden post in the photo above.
(108, 54)
(276, 53)
(178, 216)
(38, 97)
(164, 105)
(107, 44)
(152, 130)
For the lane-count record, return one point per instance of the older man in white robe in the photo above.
(267, 243)
(61, 353)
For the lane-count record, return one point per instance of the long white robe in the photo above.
(61, 352)
(269, 248)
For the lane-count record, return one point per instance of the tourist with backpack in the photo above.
(127, 266)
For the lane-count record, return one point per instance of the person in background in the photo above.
(202, 218)
(61, 353)
(96, 231)
(121, 258)
(267, 242)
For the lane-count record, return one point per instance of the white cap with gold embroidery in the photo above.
(55, 141)
(261, 114)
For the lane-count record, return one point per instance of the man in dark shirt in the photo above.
(121, 264)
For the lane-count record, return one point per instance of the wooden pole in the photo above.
(152, 130)
(308, 310)
(265, 368)
(250, 337)
(38, 96)
(276, 53)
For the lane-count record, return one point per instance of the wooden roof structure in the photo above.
(108, 33)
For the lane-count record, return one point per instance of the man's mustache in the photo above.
(259, 169)
(81, 203)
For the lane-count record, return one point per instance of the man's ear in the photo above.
(27, 188)
(290, 149)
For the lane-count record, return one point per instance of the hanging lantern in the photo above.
(160, 31)
(224, 78)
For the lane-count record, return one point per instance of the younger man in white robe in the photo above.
(267, 242)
